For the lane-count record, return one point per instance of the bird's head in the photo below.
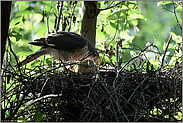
(95, 57)
(92, 55)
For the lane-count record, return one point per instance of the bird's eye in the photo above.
(96, 57)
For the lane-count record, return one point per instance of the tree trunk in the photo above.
(88, 26)
(5, 17)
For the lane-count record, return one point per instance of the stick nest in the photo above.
(105, 94)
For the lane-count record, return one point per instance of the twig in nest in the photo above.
(137, 88)
(44, 73)
(117, 59)
(38, 99)
(44, 85)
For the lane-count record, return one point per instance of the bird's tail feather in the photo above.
(33, 56)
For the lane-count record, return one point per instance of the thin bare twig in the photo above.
(176, 15)
(174, 12)
(116, 25)
(134, 57)
(137, 88)
(18, 107)
(59, 16)
(165, 51)
(72, 13)
(117, 59)
(38, 99)
(9, 42)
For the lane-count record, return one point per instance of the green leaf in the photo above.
(16, 21)
(15, 36)
(27, 26)
(110, 29)
(40, 30)
(47, 2)
(112, 17)
(128, 38)
(23, 54)
(176, 38)
(13, 39)
(181, 14)
(15, 29)
(107, 2)
(104, 14)
(18, 36)
(34, 48)
(23, 7)
(37, 17)
(48, 61)
(39, 116)
(23, 13)
(100, 37)
(179, 8)
(164, 45)
(133, 22)
(135, 14)
(114, 25)
(34, 63)
(100, 46)
(163, 3)
(131, 5)
(21, 119)
(23, 42)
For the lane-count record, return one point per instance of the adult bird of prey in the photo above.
(67, 46)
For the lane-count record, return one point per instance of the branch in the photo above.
(176, 15)
(5, 17)
(116, 25)
(59, 16)
(117, 59)
(137, 88)
(166, 51)
(71, 17)
(109, 7)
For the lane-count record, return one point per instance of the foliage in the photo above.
(160, 23)
(31, 20)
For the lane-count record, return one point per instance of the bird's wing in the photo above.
(65, 41)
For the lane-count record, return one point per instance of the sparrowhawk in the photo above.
(67, 46)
